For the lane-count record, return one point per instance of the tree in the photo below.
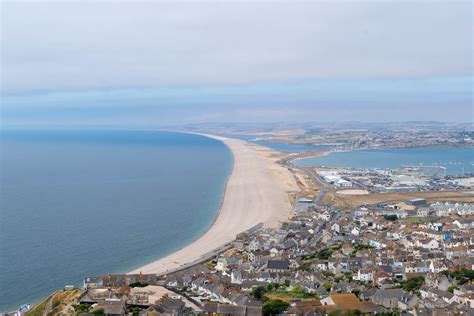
(463, 275)
(275, 307)
(258, 292)
(298, 290)
(82, 308)
(272, 286)
(390, 217)
(98, 312)
(328, 287)
(451, 288)
(324, 254)
(413, 284)
(134, 310)
(138, 284)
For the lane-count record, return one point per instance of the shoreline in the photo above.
(256, 192)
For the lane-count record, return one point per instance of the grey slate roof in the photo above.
(278, 264)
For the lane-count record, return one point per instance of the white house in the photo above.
(341, 183)
(336, 227)
(236, 277)
(254, 245)
(364, 275)
(429, 244)
(355, 231)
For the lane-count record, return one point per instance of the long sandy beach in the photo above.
(256, 192)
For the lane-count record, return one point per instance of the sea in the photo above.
(457, 160)
(89, 203)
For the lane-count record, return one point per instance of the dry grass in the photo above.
(355, 201)
(59, 303)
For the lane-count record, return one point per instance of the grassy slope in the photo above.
(58, 303)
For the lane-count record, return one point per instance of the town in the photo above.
(351, 135)
(376, 259)
(359, 241)
(234, 158)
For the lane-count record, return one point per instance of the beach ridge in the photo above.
(256, 192)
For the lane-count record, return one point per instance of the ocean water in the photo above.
(79, 203)
(457, 161)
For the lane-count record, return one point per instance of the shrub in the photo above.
(272, 286)
(82, 308)
(275, 307)
(390, 217)
(134, 310)
(451, 288)
(98, 312)
(328, 287)
(138, 284)
(324, 254)
(297, 290)
(258, 292)
(463, 275)
(413, 284)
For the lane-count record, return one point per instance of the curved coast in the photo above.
(256, 192)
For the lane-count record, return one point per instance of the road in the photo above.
(320, 183)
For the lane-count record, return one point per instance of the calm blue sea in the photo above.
(456, 160)
(76, 203)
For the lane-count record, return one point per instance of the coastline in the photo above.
(256, 192)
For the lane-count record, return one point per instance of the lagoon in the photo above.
(457, 160)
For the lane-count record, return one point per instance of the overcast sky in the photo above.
(167, 62)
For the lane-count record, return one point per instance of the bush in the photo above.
(327, 274)
(463, 275)
(297, 290)
(272, 286)
(134, 310)
(324, 254)
(328, 287)
(82, 308)
(258, 292)
(138, 284)
(451, 288)
(348, 276)
(390, 217)
(413, 284)
(275, 307)
(359, 246)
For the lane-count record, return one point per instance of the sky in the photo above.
(152, 63)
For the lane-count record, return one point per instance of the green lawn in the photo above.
(417, 220)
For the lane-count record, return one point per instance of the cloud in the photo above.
(113, 45)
